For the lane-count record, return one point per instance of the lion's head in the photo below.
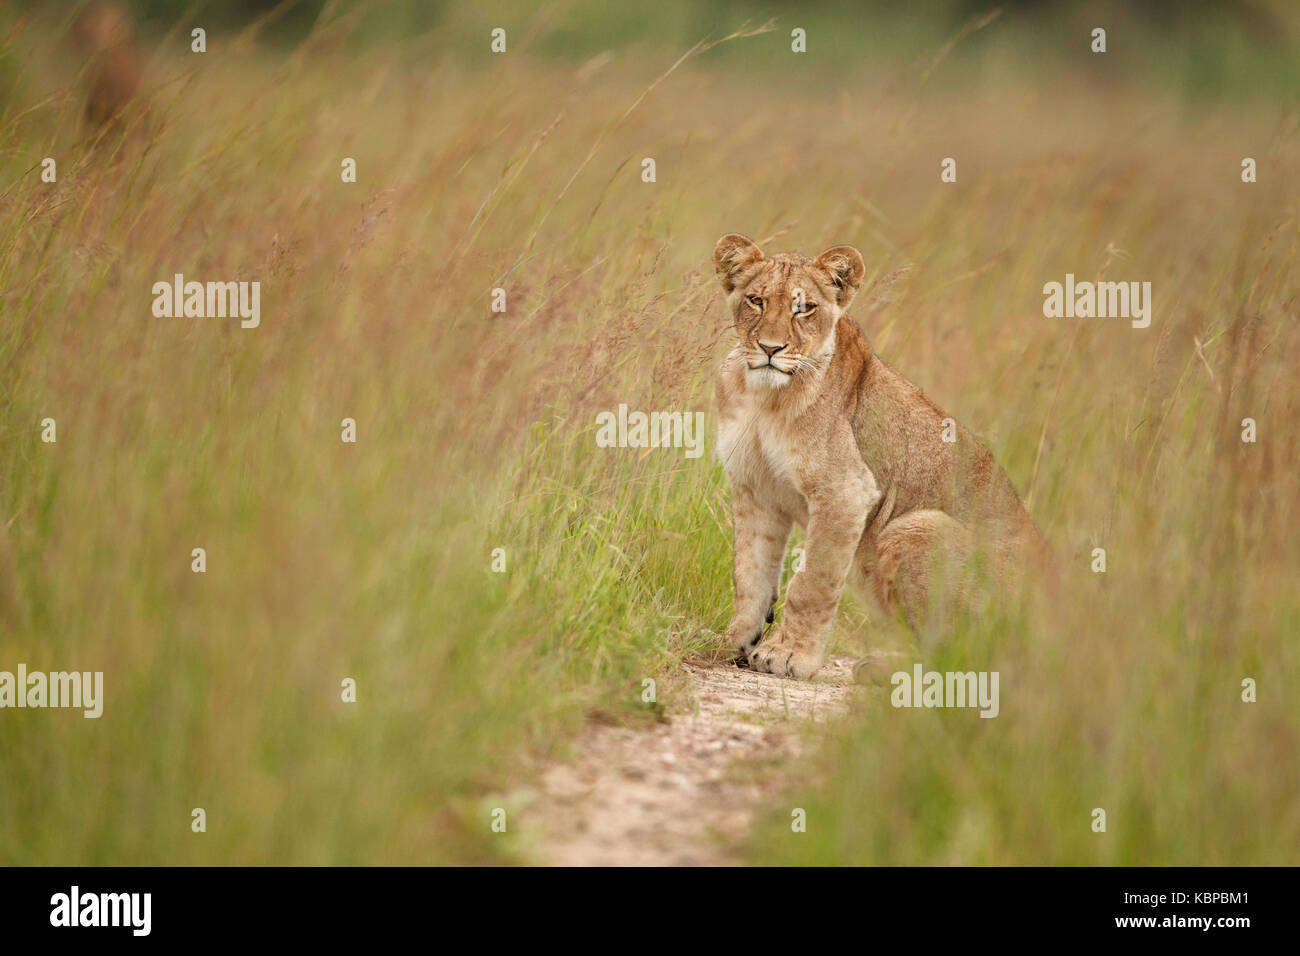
(785, 307)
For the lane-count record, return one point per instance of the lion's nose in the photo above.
(770, 349)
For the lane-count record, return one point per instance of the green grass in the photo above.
(476, 431)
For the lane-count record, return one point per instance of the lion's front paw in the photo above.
(742, 636)
(786, 656)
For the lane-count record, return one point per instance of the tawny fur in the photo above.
(105, 36)
(815, 429)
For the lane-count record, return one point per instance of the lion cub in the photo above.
(814, 428)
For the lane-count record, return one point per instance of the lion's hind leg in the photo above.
(919, 560)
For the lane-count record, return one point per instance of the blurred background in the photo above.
(1213, 48)
(521, 171)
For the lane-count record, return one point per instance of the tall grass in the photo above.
(475, 431)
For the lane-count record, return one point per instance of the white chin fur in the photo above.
(768, 376)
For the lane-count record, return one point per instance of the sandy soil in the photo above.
(679, 793)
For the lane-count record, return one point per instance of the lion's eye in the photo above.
(755, 301)
(804, 308)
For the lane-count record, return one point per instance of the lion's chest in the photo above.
(756, 453)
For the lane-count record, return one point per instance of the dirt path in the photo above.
(678, 793)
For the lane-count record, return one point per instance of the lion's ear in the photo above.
(732, 255)
(845, 267)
